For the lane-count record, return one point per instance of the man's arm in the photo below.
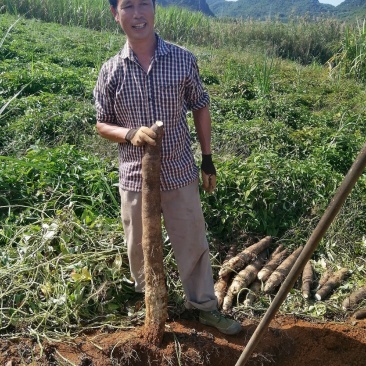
(136, 136)
(202, 122)
(112, 132)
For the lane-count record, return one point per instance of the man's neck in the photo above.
(144, 49)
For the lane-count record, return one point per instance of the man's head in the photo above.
(114, 3)
(136, 18)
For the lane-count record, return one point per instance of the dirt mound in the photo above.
(288, 342)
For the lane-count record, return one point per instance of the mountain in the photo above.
(279, 9)
(264, 9)
(351, 9)
(195, 5)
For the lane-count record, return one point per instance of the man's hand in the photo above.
(141, 136)
(208, 172)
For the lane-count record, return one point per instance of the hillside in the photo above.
(280, 9)
(264, 9)
(351, 9)
(200, 5)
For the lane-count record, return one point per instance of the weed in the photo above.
(351, 58)
(263, 77)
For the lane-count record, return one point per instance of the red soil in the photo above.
(288, 342)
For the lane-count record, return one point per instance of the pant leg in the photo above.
(132, 226)
(184, 222)
(185, 225)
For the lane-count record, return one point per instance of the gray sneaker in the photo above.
(215, 319)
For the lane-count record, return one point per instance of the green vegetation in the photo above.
(286, 9)
(301, 40)
(285, 132)
(194, 5)
(348, 10)
(270, 9)
(351, 58)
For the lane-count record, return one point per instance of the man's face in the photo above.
(136, 18)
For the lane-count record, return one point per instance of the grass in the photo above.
(351, 58)
(302, 39)
(285, 133)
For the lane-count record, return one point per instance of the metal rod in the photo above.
(335, 205)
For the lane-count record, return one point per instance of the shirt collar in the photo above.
(162, 49)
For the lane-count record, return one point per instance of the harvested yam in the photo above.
(156, 297)
(228, 301)
(222, 283)
(324, 278)
(360, 314)
(356, 297)
(231, 253)
(220, 289)
(307, 280)
(333, 282)
(242, 280)
(280, 273)
(246, 276)
(275, 260)
(277, 250)
(238, 262)
(254, 290)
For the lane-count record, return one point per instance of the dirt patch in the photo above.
(288, 342)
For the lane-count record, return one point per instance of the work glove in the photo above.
(208, 172)
(141, 136)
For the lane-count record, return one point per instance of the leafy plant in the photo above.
(263, 77)
(267, 194)
(55, 177)
(351, 59)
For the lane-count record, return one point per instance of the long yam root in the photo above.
(280, 273)
(276, 251)
(246, 276)
(324, 278)
(238, 262)
(221, 284)
(274, 261)
(228, 301)
(156, 297)
(307, 280)
(360, 314)
(333, 282)
(356, 297)
(242, 280)
(220, 289)
(254, 290)
(231, 253)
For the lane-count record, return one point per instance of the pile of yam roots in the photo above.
(255, 271)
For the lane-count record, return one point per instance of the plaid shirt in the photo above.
(127, 96)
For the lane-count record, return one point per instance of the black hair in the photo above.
(115, 2)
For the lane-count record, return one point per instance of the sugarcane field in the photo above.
(282, 189)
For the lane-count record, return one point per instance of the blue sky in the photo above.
(332, 2)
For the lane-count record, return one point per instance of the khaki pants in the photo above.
(185, 225)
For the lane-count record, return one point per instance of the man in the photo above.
(147, 81)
